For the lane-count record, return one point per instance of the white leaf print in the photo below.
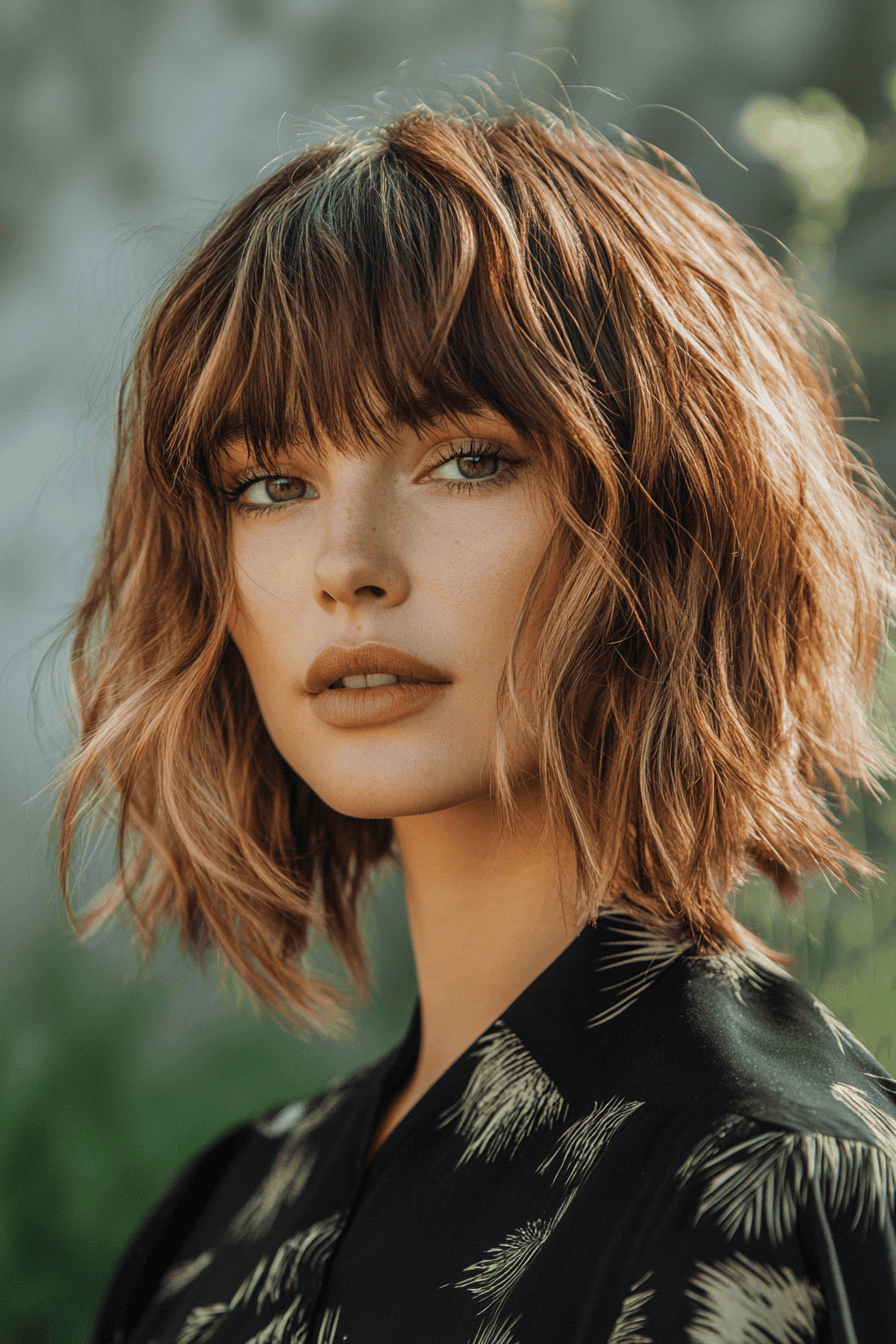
(275, 1331)
(580, 1146)
(310, 1245)
(248, 1285)
(631, 1321)
(492, 1279)
(741, 1301)
(757, 1182)
(882, 1126)
(649, 952)
(739, 969)
(496, 1332)
(307, 1246)
(774, 970)
(285, 1119)
(326, 1333)
(202, 1323)
(180, 1275)
(283, 1184)
(289, 1171)
(835, 1026)
(507, 1098)
(885, 1081)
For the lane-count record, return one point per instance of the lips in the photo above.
(344, 660)
(376, 706)
(402, 681)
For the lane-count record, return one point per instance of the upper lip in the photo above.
(354, 660)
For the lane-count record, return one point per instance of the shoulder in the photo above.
(731, 1033)
(786, 1233)
(257, 1140)
(754, 1041)
(237, 1158)
(774, 1157)
(306, 1114)
(712, 1036)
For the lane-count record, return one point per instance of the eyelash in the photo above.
(511, 463)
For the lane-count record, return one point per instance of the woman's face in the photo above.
(383, 547)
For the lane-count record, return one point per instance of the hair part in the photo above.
(707, 666)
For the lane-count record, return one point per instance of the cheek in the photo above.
(240, 627)
(491, 561)
(234, 621)
(513, 565)
(256, 640)
(254, 609)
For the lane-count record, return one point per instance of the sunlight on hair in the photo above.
(707, 670)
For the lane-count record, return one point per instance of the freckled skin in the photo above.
(380, 548)
(374, 551)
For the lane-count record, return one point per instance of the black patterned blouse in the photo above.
(647, 1147)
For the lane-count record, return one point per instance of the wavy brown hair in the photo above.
(706, 672)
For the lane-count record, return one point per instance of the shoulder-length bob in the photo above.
(711, 656)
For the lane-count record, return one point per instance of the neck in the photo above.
(487, 914)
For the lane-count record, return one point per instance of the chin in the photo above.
(361, 810)
(379, 804)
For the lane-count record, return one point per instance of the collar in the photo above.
(575, 1016)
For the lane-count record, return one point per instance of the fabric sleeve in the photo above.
(159, 1237)
(769, 1235)
(851, 1254)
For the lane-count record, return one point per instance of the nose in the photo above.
(359, 550)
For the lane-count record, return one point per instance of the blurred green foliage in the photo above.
(99, 1112)
(827, 159)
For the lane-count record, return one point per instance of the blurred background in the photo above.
(125, 125)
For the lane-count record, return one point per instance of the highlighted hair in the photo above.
(707, 668)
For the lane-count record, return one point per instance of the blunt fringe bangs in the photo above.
(704, 680)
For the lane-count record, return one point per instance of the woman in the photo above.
(518, 434)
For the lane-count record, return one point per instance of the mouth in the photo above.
(370, 666)
(380, 700)
(361, 683)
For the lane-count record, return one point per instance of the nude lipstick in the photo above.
(383, 684)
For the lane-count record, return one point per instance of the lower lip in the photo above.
(344, 708)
